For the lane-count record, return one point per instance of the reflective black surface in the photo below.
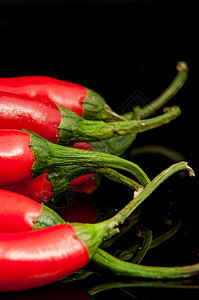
(127, 53)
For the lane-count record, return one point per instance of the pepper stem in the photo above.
(139, 197)
(171, 91)
(48, 154)
(74, 129)
(93, 235)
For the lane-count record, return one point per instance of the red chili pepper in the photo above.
(83, 101)
(35, 258)
(17, 212)
(21, 213)
(63, 126)
(24, 155)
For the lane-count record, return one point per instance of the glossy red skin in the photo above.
(39, 188)
(19, 112)
(63, 93)
(16, 157)
(35, 258)
(17, 212)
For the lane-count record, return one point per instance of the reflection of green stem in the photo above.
(141, 249)
(164, 237)
(157, 149)
(182, 284)
(119, 178)
(130, 252)
(172, 89)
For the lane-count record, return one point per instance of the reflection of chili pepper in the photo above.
(81, 210)
(51, 292)
(63, 126)
(24, 155)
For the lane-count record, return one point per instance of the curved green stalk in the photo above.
(48, 154)
(140, 249)
(106, 229)
(140, 196)
(171, 91)
(119, 178)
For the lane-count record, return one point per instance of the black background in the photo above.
(121, 49)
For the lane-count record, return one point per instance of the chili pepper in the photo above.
(84, 102)
(56, 180)
(35, 258)
(25, 155)
(62, 126)
(21, 213)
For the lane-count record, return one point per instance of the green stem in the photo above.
(48, 154)
(171, 91)
(164, 237)
(130, 252)
(119, 178)
(76, 129)
(136, 253)
(137, 126)
(128, 269)
(157, 149)
(120, 217)
(95, 108)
